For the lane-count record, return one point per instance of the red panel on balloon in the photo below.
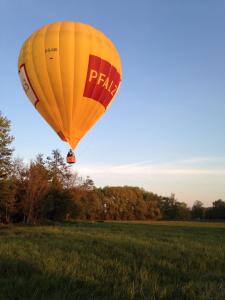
(102, 80)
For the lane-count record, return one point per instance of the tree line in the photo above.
(46, 189)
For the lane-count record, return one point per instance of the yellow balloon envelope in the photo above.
(70, 72)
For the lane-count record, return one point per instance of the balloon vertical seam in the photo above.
(50, 83)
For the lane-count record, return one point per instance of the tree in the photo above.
(182, 212)
(20, 179)
(198, 211)
(90, 207)
(7, 198)
(152, 203)
(167, 207)
(219, 209)
(208, 213)
(5, 147)
(88, 184)
(172, 209)
(59, 171)
(36, 189)
(57, 204)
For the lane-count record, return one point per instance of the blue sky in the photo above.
(166, 129)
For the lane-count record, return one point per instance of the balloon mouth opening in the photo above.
(72, 142)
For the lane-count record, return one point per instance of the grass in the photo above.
(112, 260)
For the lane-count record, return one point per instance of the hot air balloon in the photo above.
(71, 73)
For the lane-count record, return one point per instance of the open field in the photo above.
(157, 260)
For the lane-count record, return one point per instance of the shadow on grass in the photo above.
(21, 280)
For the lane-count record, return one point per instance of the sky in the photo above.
(165, 131)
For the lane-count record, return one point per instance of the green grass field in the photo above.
(158, 260)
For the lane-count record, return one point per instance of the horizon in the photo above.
(165, 129)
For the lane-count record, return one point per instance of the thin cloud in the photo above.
(190, 179)
(181, 167)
